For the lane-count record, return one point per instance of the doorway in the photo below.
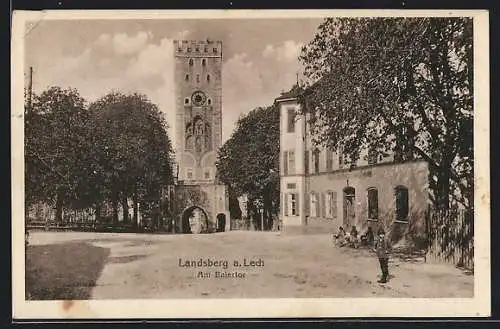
(349, 209)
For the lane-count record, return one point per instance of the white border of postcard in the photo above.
(479, 305)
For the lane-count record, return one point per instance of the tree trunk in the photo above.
(59, 206)
(97, 212)
(443, 188)
(115, 208)
(136, 209)
(125, 209)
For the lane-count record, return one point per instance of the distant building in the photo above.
(198, 89)
(319, 192)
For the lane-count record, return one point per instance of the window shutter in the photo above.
(318, 209)
(334, 204)
(285, 204)
(297, 203)
(323, 205)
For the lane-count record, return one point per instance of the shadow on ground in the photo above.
(63, 271)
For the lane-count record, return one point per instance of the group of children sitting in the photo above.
(351, 239)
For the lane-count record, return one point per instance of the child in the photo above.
(340, 237)
(382, 249)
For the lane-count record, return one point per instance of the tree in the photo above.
(132, 152)
(249, 161)
(402, 85)
(56, 142)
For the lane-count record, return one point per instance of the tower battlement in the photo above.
(198, 48)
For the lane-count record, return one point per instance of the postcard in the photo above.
(250, 164)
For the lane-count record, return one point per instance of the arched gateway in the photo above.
(194, 220)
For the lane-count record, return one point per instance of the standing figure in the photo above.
(382, 249)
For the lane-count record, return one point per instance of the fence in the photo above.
(451, 237)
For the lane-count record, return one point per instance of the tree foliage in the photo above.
(79, 156)
(402, 85)
(248, 163)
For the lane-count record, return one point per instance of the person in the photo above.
(354, 237)
(368, 238)
(340, 237)
(382, 249)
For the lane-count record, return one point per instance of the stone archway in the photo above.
(194, 220)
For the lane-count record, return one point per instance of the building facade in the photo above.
(198, 88)
(320, 194)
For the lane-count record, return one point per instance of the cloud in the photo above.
(289, 51)
(126, 45)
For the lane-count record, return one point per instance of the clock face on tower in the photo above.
(198, 98)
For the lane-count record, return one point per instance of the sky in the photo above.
(260, 58)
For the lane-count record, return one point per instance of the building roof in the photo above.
(293, 93)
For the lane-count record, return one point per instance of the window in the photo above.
(197, 49)
(341, 156)
(209, 101)
(206, 50)
(186, 77)
(191, 62)
(179, 49)
(294, 206)
(208, 77)
(372, 203)
(197, 78)
(215, 50)
(329, 160)
(331, 204)
(206, 173)
(189, 50)
(291, 162)
(285, 163)
(291, 186)
(203, 62)
(291, 120)
(316, 161)
(189, 173)
(306, 161)
(401, 203)
(186, 100)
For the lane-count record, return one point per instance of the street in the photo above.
(237, 264)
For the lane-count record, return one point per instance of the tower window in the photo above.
(209, 102)
(186, 100)
(208, 77)
(204, 62)
(191, 62)
(186, 77)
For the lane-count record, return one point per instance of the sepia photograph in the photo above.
(213, 164)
